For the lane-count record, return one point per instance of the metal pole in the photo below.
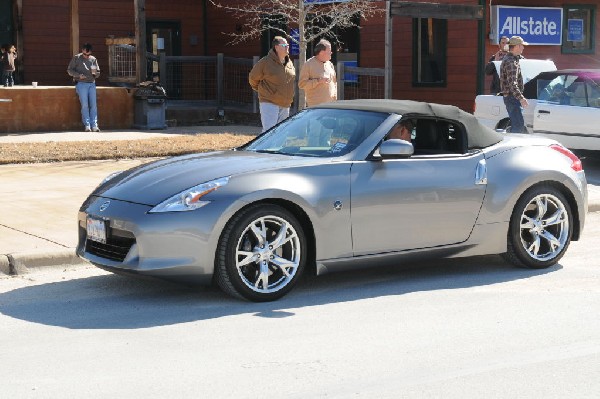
(140, 39)
(162, 70)
(388, 51)
(220, 74)
(255, 59)
(340, 80)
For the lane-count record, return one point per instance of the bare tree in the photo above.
(315, 19)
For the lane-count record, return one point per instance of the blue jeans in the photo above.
(271, 114)
(513, 107)
(7, 78)
(89, 108)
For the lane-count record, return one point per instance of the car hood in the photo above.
(154, 182)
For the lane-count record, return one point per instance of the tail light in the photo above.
(575, 161)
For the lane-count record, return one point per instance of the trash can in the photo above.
(150, 107)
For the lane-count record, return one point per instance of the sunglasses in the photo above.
(284, 44)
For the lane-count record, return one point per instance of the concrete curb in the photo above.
(22, 262)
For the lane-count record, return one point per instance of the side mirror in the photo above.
(396, 148)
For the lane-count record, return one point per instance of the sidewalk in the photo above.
(129, 134)
(39, 202)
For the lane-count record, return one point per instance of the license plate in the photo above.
(96, 230)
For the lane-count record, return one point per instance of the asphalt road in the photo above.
(475, 328)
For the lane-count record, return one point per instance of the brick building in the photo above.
(435, 55)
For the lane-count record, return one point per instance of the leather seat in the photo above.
(428, 139)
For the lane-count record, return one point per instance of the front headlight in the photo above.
(190, 199)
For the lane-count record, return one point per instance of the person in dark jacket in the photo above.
(490, 68)
(9, 55)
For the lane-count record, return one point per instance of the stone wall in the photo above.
(56, 108)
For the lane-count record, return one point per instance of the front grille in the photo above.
(118, 244)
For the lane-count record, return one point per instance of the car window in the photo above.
(577, 94)
(438, 137)
(319, 133)
(563, 90)
(553, 90)
(593, 91)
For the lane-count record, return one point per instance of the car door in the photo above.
(419, 202)
(574, 121)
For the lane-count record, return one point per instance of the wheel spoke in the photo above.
(280, 239)
(534, 248)
(553, 241)
(262, 282)
(284, 265)
(249, 257)
(542, 207)
(556, 218)
(528, 224)
(259, 232)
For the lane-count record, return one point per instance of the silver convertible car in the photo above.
(328, 189)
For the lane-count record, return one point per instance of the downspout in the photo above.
(204, 27)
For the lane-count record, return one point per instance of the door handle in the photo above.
(542, 111)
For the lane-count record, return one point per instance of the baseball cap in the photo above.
(517, 40)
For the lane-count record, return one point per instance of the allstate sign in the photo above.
(539, 25)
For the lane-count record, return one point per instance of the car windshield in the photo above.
(319, 133)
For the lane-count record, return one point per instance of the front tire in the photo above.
(540, 228)
(261, 254)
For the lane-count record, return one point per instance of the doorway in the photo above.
(164, 37)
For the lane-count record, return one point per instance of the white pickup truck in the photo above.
(563, 104)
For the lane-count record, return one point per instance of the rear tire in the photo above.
(540, 228)
(504, 125)
(261, 254)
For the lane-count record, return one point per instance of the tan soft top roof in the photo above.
(478, 136)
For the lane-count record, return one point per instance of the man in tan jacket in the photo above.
(273, 78)
(317, 77)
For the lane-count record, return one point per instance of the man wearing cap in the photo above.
(511, 84)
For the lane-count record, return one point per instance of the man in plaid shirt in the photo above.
(511, 84)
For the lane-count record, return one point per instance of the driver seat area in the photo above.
(428, 138)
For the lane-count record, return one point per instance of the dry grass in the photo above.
(92, 150)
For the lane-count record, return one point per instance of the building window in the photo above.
(272, 25)
(430, 37)
(578, 31)
(344, 42)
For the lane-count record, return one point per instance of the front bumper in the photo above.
(172, 246)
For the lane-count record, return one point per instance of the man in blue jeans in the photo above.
(84, 69)
(511, 84)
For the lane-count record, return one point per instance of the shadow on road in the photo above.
(117, 302)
